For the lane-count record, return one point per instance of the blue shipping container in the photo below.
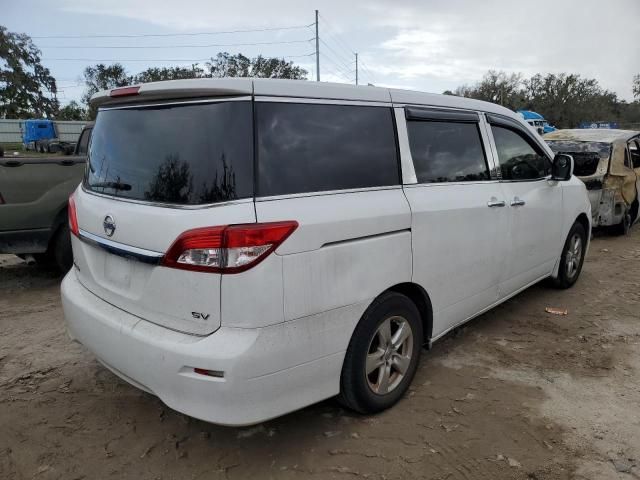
(34, 130)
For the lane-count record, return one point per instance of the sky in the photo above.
(428, 45)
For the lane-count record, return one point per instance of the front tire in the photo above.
(383, 354)
(572, 257)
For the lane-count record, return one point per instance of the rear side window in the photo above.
(447, 152)
(313, 148)
(186, 154)
(518, 159)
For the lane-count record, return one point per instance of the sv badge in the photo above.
(203, 316)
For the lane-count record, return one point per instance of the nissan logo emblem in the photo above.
(109, 225)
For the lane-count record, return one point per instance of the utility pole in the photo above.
(317, 51)
(356, 69)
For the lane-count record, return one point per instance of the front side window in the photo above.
(445, 151)
(518, 159)
(184, 154)
(304, 147)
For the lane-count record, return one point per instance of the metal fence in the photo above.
(11, 130)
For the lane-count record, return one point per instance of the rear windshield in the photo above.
(186, 154)
(586, 155)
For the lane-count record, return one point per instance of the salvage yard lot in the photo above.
(519, 393)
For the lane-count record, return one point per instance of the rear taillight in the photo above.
(73, 217)
(227, 249)
(1, 199)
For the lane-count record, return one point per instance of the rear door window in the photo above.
(303, 147)
(447, 151)
(185, 154)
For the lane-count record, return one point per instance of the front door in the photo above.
(534, 204)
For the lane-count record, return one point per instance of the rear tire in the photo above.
(572, 257)
(61, 247)
(383, 354)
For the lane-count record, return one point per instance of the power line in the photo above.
(345, 63)
(191, 34)
(345, 73)
(153, 59)
(368, 71)
(337, 40)
(179, 46)
(338, 64)
(341, 43)
(337, 74)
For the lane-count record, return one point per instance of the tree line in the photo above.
(27, 88)
(564, 99)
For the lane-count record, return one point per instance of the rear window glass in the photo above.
(312, 148)
(447, 152)
(586, 155)
(186, 154)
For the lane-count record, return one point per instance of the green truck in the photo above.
(34, 192)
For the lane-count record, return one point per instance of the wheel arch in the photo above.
(584, 221)
(420, 298)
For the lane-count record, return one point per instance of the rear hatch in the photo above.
(154, 172)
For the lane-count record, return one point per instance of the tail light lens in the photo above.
(73, 217)
(228, 248)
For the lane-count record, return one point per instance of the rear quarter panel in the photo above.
(349, 248)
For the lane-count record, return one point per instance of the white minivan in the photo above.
(246, 247)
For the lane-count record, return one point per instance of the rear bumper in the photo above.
(267, 371)
(25, 241)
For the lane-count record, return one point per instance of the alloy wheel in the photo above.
(389, 355)
(573, 256)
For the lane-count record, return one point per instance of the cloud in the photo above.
(458, 41)
(431, 45)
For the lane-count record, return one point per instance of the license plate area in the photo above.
(118, 271)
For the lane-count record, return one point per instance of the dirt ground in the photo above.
(517, 394)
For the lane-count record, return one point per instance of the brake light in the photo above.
(228, 248)
(124, 91)
(73, 217)
(1, 199)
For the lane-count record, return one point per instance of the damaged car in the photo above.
(608, 162)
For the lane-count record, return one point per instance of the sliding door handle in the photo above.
(517, 202)
(494, 202)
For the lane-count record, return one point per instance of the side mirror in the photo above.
(562, 167)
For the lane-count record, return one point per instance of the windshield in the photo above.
(180, 154)
(586, 155)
